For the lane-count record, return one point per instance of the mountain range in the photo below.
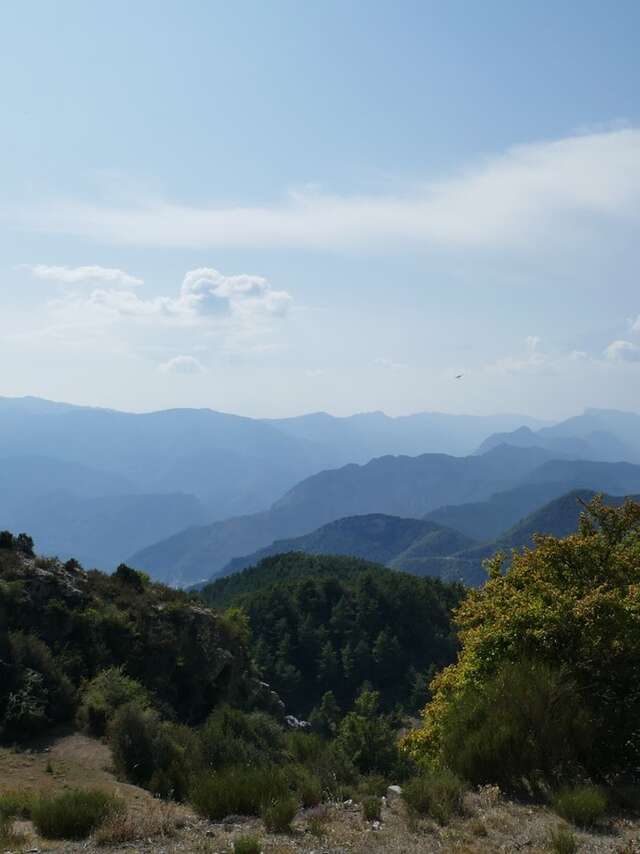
(182, 492)
(410, 487)
(598, 434)
(396, 486)
(422, 547)
(374, 537)
(185, 467)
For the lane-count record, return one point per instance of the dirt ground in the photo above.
(490, 823)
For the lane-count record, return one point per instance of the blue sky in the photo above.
(271, 208)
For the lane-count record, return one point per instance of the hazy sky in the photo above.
(277, 207)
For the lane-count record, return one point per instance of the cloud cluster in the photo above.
(230, 313)
(554, 191)
(76, 275)
(187, 365)
(205, 295)
(623, 351)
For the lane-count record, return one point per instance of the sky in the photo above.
(272, 208)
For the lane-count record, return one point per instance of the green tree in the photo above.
(572, 603)
(326, 717)
(367, 737)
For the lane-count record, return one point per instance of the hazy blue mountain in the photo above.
(558, 517)
(395, 486)
(486, 520)
(232, 464)
(374, 537)
(100, 531)
(597, 434)
(358, 438)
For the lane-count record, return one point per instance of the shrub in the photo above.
(371, 808)
(306, 784)
(16, 803)
(232, 737)
(131, 577)
(104, 695)
(434, 793)
(132, 733)
(41, 693)
(582, 805)
(526, 722)
(279, 813)
(563, 841)
(373, 784)
(246, 845)
(236, 791)
(73, 814)
(6, 540)
(305, 748)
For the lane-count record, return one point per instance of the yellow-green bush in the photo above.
(573, 603)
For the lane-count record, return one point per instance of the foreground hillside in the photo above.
(528, 741)
(490, 822)
(61, 626)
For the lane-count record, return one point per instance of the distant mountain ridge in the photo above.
(558, 518)
(421, 547)
(410, 487)
(396, 486)
(375, 537)
(221, 465)
(598, 434)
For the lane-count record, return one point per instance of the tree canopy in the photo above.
(571, 603)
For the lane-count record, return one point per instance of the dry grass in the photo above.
(9, 837)
(157, 821)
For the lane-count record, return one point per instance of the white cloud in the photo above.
(182, 365)
(75, 275)
(549, 190)
(636, 324)
(205, 294)
(622, 351)
(234, 314)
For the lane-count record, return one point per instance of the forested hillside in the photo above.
(326, 623)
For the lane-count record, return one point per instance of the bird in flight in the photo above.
(459, 376)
